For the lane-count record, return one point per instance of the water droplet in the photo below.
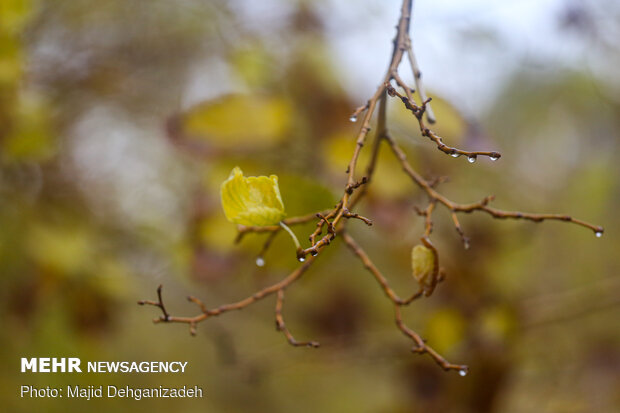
(455, 154)
(314, 253)
(598, 234)
(353, 118)
(471, 158)
(260, 262)
(463, 372)
(494, 158)
(301, 259)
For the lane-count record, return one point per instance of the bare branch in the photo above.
(420, 346)
(383, 282)
(239, 305)
(280, 326)
(417, 76)
(482, 205)
(418, 112)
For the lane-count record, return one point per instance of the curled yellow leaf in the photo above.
(252, 200)
(422, 263)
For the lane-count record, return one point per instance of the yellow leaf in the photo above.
(253, 201)
(239, 120)
(422, 263)
(446, 330)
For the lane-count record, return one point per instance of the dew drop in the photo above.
(314, 253)
(353, 118)
(455, 154)
(463, 372)
(598, 234)
(301, 259)
(493, 158)
(260, 262)
(471, 158)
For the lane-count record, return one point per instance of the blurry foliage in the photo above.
(24, 117)
(529, 307)
(246, 121)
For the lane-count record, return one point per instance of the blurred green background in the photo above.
(120, 119)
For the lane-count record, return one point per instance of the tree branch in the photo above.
(354, 190)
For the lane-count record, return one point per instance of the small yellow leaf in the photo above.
(252, 201)
(422, 263)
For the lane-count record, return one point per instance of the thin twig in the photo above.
(417, 77)
(383, 282)
(241, 304)
(418, 112)
(281, 326)
(420, 346)
(482, 205)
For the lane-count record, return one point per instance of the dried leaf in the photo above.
(422, 263)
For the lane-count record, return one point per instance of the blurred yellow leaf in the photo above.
(446, 329)
(216, 233)
(65, 250)
(253, 65)
(422, 263)
(498, 323)
(337, 152)
(304, 194)
(254, 200)
(30, 137)
(13, 15)
(237, 120)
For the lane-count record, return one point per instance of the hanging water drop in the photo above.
(598, 234)
(314, 253)
(471, 158)
(260, 262)
(463, 372)
(353, 118)
(494, 158)
(455, 154)
(301, 259)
